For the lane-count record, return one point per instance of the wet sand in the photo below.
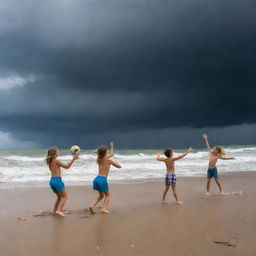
(138, 224)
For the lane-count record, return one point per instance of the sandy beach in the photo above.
(138, 224)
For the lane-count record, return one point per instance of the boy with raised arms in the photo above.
(170, 177)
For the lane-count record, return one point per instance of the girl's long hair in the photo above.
(50, 154)
(220, 150)
(101, 151)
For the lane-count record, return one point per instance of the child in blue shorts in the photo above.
(100, 182)
(56, 183)
(215, 154)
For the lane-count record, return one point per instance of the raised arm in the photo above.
(158, 157)
(226, 158)
(111, 152)
(205, 136)
(68, 165)
(116, 164)
(181, 156)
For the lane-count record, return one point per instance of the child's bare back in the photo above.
(104, 167)
(170, 178)
(100, 182)
(56, 183)
(54, 167)
(169, 162)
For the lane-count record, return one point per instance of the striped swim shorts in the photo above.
(170, 179)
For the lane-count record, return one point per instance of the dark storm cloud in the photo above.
(117, 67)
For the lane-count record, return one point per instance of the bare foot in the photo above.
(207, 193)
(222, 192)
(164, 202)
(91, 210)
(104, 211)
(60, 213)
(179, 202)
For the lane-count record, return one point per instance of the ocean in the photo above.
(26, 168)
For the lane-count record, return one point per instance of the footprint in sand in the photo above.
(68, 212)
(225, 243)
(235, 193)
(21, 219)
(45, 213)
(84, 213)
(49, 213)
(84, 216)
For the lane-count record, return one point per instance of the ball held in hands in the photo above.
(75, 150)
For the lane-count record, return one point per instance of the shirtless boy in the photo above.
(170, 178)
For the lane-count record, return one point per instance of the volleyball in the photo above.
(75, 150)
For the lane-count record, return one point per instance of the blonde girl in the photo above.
(56, 182)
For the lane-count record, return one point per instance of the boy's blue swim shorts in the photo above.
(56, 184)
(100, 183)
(212, 172)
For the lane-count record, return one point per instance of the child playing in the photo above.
(56, 183)
(215, 154)
(100, 182)
(170, 178)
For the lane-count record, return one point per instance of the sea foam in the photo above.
(28, 167)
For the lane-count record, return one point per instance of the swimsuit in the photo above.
(56, 184)
(100, 183)
(170, 179)
(212, 172)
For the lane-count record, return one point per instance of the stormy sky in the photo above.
(144, 73)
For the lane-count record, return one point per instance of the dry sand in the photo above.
(138, 224)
